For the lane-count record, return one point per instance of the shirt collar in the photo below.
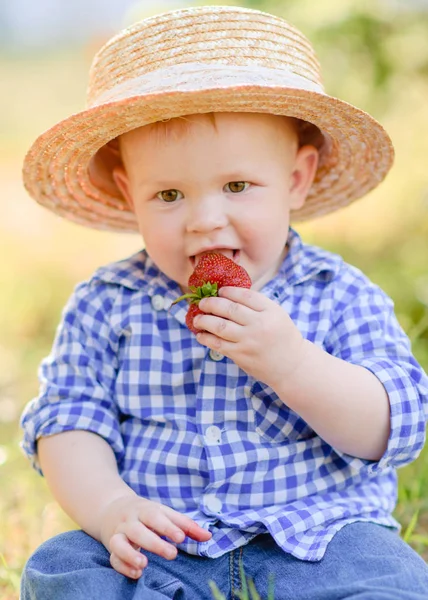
(137, 272)
(301, 263)
(304, 262)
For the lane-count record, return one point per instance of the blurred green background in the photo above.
(374, 54)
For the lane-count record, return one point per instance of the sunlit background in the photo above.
(374, 54)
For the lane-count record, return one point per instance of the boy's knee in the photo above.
(71, 565)
(66, 552)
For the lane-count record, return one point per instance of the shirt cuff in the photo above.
(58, 417)
(407, 418)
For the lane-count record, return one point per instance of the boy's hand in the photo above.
(255, 332)
(132, 522)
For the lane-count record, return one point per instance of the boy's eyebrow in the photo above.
(165, 184)
(237, 175)
(162, 184)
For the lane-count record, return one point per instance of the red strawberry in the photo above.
(217, 268)
(213, 271)
(192, 311)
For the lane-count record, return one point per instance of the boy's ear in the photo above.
(305, 167)
(121, 180)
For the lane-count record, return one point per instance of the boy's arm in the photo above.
(81, 470)
(72, 431)
(364, 394)
(344, 403)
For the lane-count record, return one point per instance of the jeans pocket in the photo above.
(275, 421)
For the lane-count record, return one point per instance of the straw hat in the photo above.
(200, 60)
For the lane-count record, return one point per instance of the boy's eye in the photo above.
(237, 186)
(169, 195)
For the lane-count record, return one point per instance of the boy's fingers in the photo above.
(126, 552)
(171, 523)
(189, 527)
(222, 307)
(222, 328)
(149, 540)
(250, 298)
(162, 525)
(129, 570)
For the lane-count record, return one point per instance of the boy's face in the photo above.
(227, 183)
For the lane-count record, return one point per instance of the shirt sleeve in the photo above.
(367, 333)
(77, 379)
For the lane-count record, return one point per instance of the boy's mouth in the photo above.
(233, 254)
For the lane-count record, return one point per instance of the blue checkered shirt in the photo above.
(193, 431)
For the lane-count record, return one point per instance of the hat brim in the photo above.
(56, 168)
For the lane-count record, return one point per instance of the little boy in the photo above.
(269, 441)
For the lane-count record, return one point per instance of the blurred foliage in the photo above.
(363, 44)
(372, 54)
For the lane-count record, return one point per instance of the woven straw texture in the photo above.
(200, 60)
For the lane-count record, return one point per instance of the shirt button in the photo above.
(213, 504)
(216, 355)
(213, 434)
(158, 302)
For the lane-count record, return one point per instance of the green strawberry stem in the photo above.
(204, 291)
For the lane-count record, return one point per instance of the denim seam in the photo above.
(240, 564)
(235, 573)
(232, 588)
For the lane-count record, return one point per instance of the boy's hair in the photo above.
(307, 133)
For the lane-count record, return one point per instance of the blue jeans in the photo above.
(364, 561)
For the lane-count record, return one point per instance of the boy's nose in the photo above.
(206, 214)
